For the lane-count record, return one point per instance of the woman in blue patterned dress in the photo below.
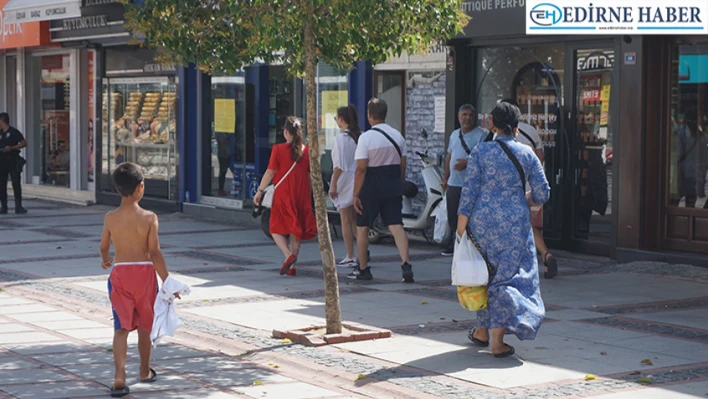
(495, 208)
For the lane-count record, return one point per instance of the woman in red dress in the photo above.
(291, 215)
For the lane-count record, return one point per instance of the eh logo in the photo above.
(546, 14)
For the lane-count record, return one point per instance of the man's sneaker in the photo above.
(448, 252)
(354, 272)
(407, 271)
(347, 262)
(20, 211)
(361, 274)
(3, 211)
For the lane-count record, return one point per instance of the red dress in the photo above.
(292, 202)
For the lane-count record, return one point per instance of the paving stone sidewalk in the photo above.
(629, 325)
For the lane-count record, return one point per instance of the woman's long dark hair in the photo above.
(349, 116)
(294, 126)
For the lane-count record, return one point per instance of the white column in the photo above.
(75, 119)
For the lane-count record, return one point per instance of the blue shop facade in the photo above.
(231, 122)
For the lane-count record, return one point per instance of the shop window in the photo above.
(141, 129)
(688, 164)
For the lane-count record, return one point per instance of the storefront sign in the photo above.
(96, 21)
(101, 21)
(224, 115)
(331, 101)
(157, 67)
(613, 17)
(17, 35)
(43, 10)
(494, 17)
(630, 58)
(605, 108)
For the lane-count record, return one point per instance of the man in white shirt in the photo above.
(529, 135)
(378, 187)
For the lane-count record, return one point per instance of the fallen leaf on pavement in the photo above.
(603, 353)
(271, 364)
(635, 373)
(257, 382)
(590, 377)
(647, 362)
(595, 306)
(286, 341)
(360, 377)
(276, 366)
(454, 321)
(644, 381)
(424, 303)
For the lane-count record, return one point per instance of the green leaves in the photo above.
(227, 35)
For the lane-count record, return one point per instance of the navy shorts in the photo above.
(390, 210)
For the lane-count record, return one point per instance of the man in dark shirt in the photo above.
(11, 142)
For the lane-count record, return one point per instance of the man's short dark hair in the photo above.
(5, 117)
(127, 177)
(377, 109)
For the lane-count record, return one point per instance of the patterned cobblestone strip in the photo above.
(228, 259)
(235, 246)
(47, 258)
(191, 232)
(651, 307)
(445, 295)
(341, 277)
(432, 328)
(411, 378)
(61, 232)
(659, 269)
(668, 330)
(28, 242)
(381, 259)
(12, 224)
(273, 297)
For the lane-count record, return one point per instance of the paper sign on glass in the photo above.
(224, 115)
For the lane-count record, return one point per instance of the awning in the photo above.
(17, 11)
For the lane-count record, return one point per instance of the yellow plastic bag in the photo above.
(472, 298)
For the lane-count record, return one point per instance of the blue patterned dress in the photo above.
(499, 218)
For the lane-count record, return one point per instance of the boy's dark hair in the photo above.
(127, 177)
(5, 117)
(377, 109)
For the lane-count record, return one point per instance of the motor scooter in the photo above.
(422, 223)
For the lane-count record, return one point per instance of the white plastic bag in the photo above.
(468, 266)
(442, 228)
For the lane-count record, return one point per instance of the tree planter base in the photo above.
(315, 335)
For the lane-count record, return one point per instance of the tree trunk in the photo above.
(332, 310)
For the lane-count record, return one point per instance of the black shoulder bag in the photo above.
(516, 163)
(398, 149)
(464, 145)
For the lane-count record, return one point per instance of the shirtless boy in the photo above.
(132, 285)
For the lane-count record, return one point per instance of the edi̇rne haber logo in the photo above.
(606, 17)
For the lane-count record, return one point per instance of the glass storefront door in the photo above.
(591, 131)
(390, 86)
(50, 137)
(533, 77)
(228, 138)
(140, 127)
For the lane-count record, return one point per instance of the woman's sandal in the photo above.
(477, 341)
(552, 264)
(505, 354)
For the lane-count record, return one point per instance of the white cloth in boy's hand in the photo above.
(166, 321)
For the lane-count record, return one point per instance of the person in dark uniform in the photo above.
(11, 142)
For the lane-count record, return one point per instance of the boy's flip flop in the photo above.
(119, 393)
(552, 264)
(152, 378)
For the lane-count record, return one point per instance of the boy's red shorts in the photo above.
(132, 288)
